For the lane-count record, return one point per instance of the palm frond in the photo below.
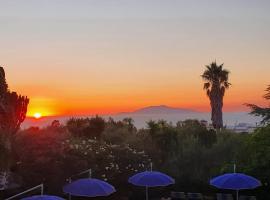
(206, 85)
(226, 84)
(208, 93)
(267, 95)
(264, 113)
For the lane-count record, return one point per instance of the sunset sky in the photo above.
(107, 56)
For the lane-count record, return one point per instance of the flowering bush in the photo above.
(108, 161)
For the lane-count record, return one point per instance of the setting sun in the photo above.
(37, 115)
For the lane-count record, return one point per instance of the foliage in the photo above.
(216, 82)
(262, 112)
(119, 132)
(258, 161)
(188, 151)
(206, 137)
(86, 127)
(44, 154)
(13, 107)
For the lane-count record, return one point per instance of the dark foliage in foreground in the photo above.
(188, 151)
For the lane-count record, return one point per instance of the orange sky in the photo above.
(118, 96)
(88, 57)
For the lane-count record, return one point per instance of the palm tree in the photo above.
(216, 82)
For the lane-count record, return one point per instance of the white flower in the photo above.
(141, 152)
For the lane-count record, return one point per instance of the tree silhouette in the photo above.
(267, 95)
(86, 127)
(216, 82)
(13, 107)
(260, 111)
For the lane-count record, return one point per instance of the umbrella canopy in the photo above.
(89, 187)
(235, 181)
(151, 179)
(43, 197)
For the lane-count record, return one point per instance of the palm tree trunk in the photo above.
(216, 100)
(219, 123)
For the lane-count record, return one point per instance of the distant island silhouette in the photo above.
(161, 109)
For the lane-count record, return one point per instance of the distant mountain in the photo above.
(162, 109)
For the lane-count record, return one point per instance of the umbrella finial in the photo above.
(234, 168)
(151, 166)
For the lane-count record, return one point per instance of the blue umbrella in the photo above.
(43, 197)
(235, 181)
(151, 179)
(89, 187)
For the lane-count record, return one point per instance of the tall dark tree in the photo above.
(260, 111)
(3, 83)
(216, 83)
(13, 109)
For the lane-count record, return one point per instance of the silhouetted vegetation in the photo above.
(86, 127)
(216, 83)
(260, 111)
(188, 151)
(13, 108)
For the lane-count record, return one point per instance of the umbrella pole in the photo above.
(146, 193)
(237, 194)
(69, 195)
(42, 188)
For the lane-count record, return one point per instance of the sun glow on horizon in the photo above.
(37, 115)
(43, 106)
